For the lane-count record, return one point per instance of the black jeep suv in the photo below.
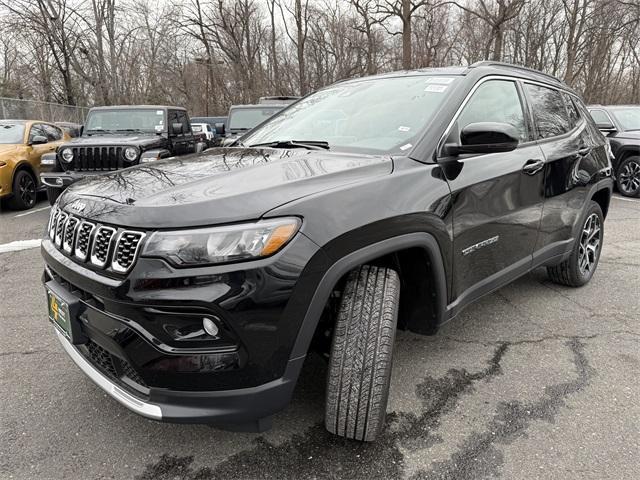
(192, 290)
(621, 125)
(118, 137)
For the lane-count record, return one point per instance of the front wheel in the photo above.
(24, 191)
(361, 354)
(629, 177)
(578, 269)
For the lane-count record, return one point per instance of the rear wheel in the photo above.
(629, 177)
(24, 191)
(578, 269)
(361, 354)
(53, 194)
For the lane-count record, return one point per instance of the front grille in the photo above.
(97, 159)
(129, 372)
(100, 245)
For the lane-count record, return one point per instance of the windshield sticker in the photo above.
(404, 129)
(406, 146)
(159, 128)
(440, 80)
(159, 112)
(435, 88)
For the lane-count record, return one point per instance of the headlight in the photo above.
(67, 155)
(222, 244)
(130, 153)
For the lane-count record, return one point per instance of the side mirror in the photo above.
(485, 137)
(81, 130)
(176, 128)
(219, 128)
(605, 127)
(38, 140)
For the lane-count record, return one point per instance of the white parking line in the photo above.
(626, 199)
(19, 245)
(31, 211)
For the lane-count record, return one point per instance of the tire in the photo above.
(53, 194)
(361, 354)
(24, 191)
(578, 269)
(628, 177)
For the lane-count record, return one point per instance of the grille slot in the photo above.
(84, 240)
(53, 221)
(60, 223)
(126, 250)
(70, 234)
(102, 245)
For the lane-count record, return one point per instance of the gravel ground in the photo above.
(534, 381)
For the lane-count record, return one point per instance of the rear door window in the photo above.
(549, 111)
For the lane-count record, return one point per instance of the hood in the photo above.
(631, 135)
(128, 140)
(221, 185)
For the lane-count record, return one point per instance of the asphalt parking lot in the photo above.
(534, 381)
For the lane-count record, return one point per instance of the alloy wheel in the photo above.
(27, 190)
(590, 242)
(629, 177)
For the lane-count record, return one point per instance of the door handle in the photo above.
(533, 166)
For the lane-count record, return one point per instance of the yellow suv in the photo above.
(22, 143)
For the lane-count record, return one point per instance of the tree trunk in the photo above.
(406, 34)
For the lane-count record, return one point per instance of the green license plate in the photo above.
(59, 313)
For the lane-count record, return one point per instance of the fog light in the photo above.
(210, 327)
(59, 181)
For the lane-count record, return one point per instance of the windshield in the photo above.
(247, 118)
(376, 116)
(629, 118)
(11, 133)
(196, 128)
(121, 120)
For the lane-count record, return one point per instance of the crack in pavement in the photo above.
(318, 454)
(478, 456)
(26, 352)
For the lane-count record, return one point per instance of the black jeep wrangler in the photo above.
(118, 137)
(192, 290)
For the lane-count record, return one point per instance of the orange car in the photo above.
(22, 143)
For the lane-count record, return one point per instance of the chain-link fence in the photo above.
(18, 109)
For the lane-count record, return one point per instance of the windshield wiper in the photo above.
(308, 144)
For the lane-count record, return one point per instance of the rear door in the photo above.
(574, 153)
(497, 198)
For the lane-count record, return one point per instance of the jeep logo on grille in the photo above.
(78, 206)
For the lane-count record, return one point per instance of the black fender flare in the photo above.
(348, 262)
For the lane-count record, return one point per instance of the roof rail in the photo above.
(488, 63)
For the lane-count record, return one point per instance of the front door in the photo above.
(497, 197)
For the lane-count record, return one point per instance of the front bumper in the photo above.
(240, 379)
(246, 409)
(64, 179)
